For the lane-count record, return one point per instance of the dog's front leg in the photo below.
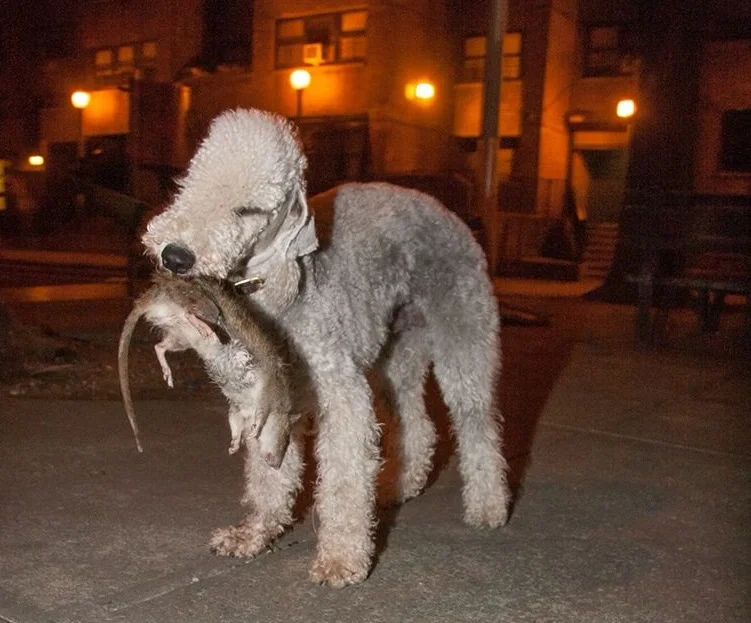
(269, 495)
(348, 461)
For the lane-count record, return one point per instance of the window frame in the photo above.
(477, 73)
(621, 50)
(116, 70)
(336, 34)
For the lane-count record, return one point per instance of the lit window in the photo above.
(319, 39)
(512, 56)
(351, 48)
(475, 47)
(112, 65)
(103, 58)
(148, 50)
(354, 21)
(291, 29)
(125, 55)
(475, 50)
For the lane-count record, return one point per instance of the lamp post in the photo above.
(489, 208)
(80, 100)
(300, 80)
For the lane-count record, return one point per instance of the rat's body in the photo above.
(203, 315)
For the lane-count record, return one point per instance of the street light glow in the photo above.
(625, 109)
(36, 160)
(80, 99)
(299, 79)
(424, 91)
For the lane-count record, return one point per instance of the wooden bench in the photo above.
(697, 246)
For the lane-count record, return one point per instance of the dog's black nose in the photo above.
(177, 259)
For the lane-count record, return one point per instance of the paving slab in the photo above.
(633, 505)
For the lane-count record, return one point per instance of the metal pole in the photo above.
(299, 102)
(81, 137)
(490, 133)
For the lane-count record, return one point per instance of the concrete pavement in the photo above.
(633, 478)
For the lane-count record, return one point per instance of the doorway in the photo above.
(598, 181)
(338, 150)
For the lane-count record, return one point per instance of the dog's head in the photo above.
(243, 196)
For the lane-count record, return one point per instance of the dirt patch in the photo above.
(86, 368)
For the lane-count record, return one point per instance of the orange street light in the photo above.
(80, 99)
(424, 91)
(625, 109)
(300, 80)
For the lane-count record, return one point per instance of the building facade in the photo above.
(159, 70)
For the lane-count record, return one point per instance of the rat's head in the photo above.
(243, 193)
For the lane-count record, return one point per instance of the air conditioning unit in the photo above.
(312, 53)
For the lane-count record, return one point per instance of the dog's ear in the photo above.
(297, 236)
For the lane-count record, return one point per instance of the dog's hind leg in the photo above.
(269, 496)
(466, 365)
(404, 370)
(348, 462)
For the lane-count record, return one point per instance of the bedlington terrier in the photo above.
(400, 284)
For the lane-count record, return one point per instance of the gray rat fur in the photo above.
(239, 355)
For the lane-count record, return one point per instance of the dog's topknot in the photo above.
(247, 153)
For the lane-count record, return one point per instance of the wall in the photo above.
(560, 73)
(407, 43)
(722, 87)
(174, 24)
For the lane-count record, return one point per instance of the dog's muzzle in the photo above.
(177, 259)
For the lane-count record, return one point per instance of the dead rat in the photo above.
(239, 356)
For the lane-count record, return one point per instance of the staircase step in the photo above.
(598, 253)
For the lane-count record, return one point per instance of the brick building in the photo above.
(159, 70)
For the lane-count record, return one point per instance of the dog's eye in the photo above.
(248, 211)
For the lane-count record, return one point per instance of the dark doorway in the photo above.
(59, 203)
(106, 162)
(605, 173)
(338, 150)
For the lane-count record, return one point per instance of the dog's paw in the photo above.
(239, 541)
(411, 490)
(490, 514)
(338, 573)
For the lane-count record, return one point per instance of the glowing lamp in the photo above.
(625, 109)
(424, 91)
(299, 79)
(80, 99)
(36, 160)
